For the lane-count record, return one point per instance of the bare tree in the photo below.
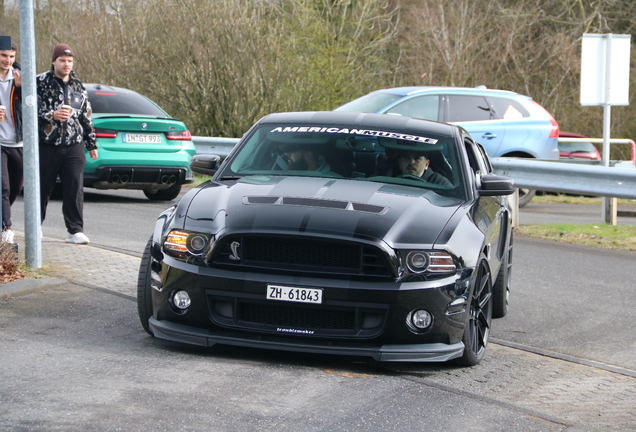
(219, 65)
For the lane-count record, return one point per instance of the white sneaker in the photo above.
(7, 236)
(77, 238)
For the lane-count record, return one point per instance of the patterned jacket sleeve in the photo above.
(45, 111)
(87, 123)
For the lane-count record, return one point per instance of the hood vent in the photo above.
(314, 202)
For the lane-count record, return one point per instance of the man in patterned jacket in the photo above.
(64, 128)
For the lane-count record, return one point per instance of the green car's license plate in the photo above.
(141, 138)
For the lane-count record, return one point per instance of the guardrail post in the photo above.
(513, 200)
(610, 208)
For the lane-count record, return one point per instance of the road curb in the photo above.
(26, 286)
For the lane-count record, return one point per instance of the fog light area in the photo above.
(181, 300)
(419, 320)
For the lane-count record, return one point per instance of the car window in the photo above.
(475, 158)
(481, 152)
(123, 102)
(468, 108)
(577, 147)
(341, 152)
(508, 109)
(371, 103)
(422, 107)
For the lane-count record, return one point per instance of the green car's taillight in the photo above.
(179, 135)
(105, 133)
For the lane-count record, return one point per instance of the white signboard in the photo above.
(597, 63)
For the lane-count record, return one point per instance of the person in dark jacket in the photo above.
(10, 136)
(65, 127)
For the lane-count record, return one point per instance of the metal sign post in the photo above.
(32, 221)
(605, 81)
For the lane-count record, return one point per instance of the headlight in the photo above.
(429, 262)
(417, 262)
(186, 244)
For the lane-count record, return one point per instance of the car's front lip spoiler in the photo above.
(435, 352)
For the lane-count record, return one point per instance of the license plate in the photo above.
(141, 138)
(293, 294)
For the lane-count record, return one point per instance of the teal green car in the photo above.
(140, 146)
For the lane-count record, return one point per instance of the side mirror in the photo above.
(206, 164)
(494, 185)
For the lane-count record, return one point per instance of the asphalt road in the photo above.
(566, 299)
(76, 360)
(568, 303)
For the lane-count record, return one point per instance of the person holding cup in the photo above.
(65, 128)
(10, 134)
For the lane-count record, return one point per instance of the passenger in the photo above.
(302, 157)
(416, 164)
(309, 160)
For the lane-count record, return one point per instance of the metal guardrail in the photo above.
(632, 146)
(553, 176)
(213, 145)
(565, 177)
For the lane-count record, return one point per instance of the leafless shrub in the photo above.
(10, 268)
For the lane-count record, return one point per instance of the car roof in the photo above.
(103, 87)
(481, 90)
(363, 120)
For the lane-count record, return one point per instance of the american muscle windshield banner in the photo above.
(366, 132)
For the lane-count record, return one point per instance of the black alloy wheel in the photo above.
(144, 290)
(477, 330)
(501, 288)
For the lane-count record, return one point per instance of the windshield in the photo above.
(384, 156)
(371, 103)
(109, 101)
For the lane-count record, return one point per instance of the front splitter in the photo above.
(435, 352)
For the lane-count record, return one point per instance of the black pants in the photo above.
(68, 162)
(12, 172)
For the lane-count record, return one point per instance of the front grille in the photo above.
(315, 253)
(242, 311)
(302, 254)
(293, 316)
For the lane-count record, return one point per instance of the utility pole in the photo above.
(32, 221)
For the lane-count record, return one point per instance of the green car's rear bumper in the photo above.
(139, 170)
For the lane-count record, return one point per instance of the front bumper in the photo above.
(433, 352)
(356, 317)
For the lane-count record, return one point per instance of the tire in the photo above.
(164, 194)
(477, 329)
(525, 196)
(144, 290)
(501, 288)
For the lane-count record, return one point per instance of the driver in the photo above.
(416, 164)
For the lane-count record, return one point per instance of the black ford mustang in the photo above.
(321, 233)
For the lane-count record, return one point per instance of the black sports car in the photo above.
(338, 233)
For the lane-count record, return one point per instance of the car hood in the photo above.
(398, 215)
